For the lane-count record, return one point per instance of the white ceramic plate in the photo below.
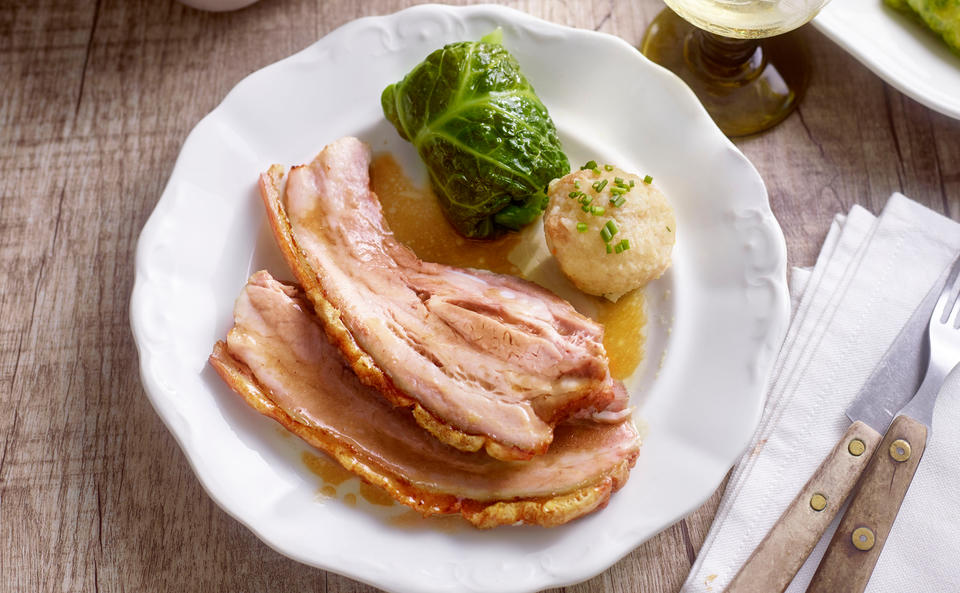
(717, 318)
(899, 50)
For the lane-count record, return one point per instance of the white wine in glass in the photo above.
(735, 56)
(746, 19)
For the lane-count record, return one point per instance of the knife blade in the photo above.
(898, 375)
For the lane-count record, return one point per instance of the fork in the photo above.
(857, 543)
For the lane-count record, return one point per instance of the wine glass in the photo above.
(738, 56)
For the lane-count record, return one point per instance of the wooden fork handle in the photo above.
(856, 545)
(782, 552)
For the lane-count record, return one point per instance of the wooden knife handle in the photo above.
(856, 545)
(782, 552)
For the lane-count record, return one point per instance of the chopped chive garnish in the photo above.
(599, 185)
(598, 210)
(618, 180)
(606, 235)
(581, 227)
(585, 200)
(618, 201)
(589, 165)
(648, 180)
(585, 208)
(576, 183)
(596, 170)
(608, 167)
(668, 230)
(617, 191)
(618, 248)
(625, 244)
(609, 248)
(612, 227)
(573, 194)
(632, 182)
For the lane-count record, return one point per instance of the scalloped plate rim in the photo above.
(174, 421)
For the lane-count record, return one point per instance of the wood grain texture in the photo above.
(873, 507)
(97, 97)
(786, 546)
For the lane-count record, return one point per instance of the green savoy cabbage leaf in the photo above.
(486, 139)
(941, 16)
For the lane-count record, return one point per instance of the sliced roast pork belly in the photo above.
(485, 360)
(277, 358)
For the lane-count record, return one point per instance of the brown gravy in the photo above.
(416, 219)
(623, 336)
(332, 475)
(327, 469)
(375, 495)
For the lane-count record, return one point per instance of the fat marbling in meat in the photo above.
(483, 359)
(277, 358)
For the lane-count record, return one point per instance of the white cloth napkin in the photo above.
(871, 274)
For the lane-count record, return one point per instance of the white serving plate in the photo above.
(899, 50)
(717, 318)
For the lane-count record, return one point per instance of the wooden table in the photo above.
(96, 97)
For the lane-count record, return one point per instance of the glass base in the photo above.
(747, 85)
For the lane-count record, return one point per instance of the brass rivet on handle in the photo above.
(856, 447)
(863, 538)
(818, 502)
(900, 450)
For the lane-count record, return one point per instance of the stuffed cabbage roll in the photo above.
(486, 139)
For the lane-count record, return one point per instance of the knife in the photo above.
(856, 545)
(893, 382)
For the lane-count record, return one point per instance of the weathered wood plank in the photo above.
(97, 97)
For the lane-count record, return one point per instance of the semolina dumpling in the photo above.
(611, 231)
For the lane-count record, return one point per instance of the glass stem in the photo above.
(727, 57)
